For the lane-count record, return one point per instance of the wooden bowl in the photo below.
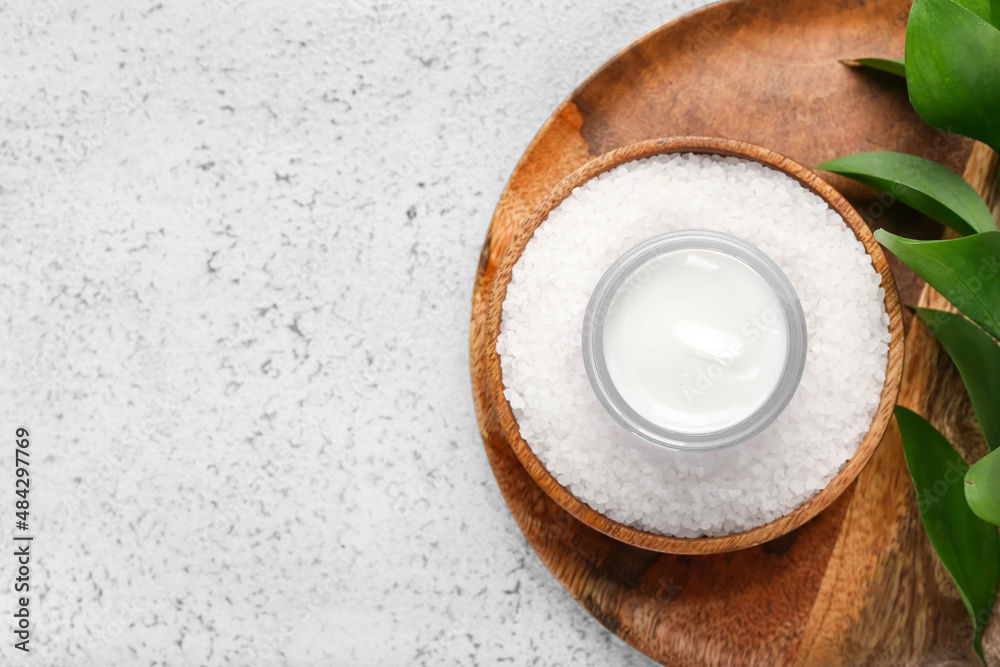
(700, 545)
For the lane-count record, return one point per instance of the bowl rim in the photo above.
(694, 545)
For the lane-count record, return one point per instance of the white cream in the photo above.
(695, 341)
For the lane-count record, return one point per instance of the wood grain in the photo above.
(644, 539)
(933, 387)
(858, 584)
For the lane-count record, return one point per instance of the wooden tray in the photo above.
(858, 584)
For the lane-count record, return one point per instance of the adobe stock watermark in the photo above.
(290, 275)
(965, 632)
(667, 590)
(712, 30)
(42, 14)
(555, 530)
(363, 23)
(885, 199)
(387, 356)
(750, 333)
(54, 346)
(110, 633)
(223, 9)
(265, 459)
(987, 271)
(111, 466)
(250, 147)
(887, 24)
(954, 474)
(392, 351)
(407, 498)
(118, 110)
(270, 648)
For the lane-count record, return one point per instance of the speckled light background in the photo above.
(238, 245)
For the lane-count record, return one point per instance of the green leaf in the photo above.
(926, 186)
(953, 69)
(892, 66)
(977, 357)
(982, 487)
(966, 271)
(968, 546)
(988, 10)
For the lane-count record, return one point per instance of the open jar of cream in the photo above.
(694, 340)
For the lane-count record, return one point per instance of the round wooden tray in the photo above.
(859, 583)
(772, 529)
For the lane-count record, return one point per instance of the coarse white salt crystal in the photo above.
(680, 493)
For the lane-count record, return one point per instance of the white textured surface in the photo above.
(239, 240)
(690, 494)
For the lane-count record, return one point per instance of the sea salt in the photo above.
(692, 494)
